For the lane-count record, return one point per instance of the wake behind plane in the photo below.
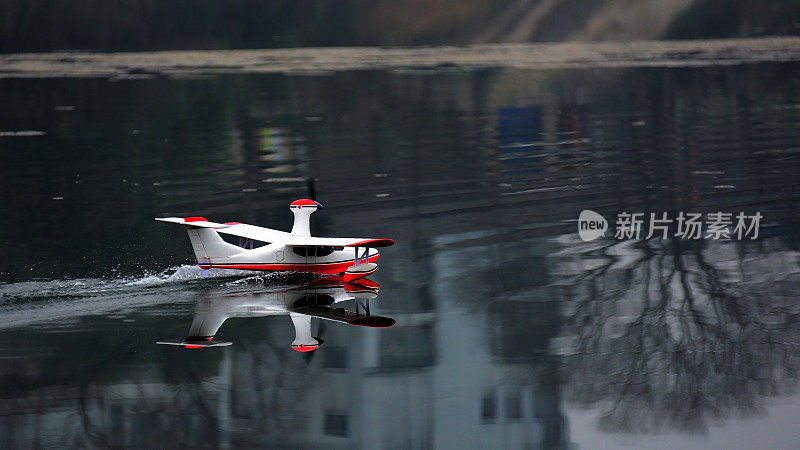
(297, 250)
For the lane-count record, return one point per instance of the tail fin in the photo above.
(207, 244)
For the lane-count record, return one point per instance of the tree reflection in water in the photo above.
(677, 334)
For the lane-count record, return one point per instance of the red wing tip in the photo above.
(232, 223)
(305, 348)
(195, 219)
(373, 243)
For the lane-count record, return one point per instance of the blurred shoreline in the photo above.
(320, 60)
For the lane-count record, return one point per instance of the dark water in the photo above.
(511, 332)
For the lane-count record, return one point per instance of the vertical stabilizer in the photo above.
(207, 244)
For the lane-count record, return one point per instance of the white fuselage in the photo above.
(277, 256)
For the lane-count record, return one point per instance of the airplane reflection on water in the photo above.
(317, 299)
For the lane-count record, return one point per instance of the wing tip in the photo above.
(372, 243)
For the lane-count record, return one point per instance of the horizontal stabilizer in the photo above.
(193, 222)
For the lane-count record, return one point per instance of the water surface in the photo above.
(511, 331)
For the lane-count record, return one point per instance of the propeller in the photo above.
(311, 187)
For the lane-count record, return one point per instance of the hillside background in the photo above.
(102, 25)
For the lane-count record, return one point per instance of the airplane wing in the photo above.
(269, 235)
(348, 317)
(309, 241)
(254, 232)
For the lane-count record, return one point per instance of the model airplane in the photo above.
(317, 299)
(296, 250)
